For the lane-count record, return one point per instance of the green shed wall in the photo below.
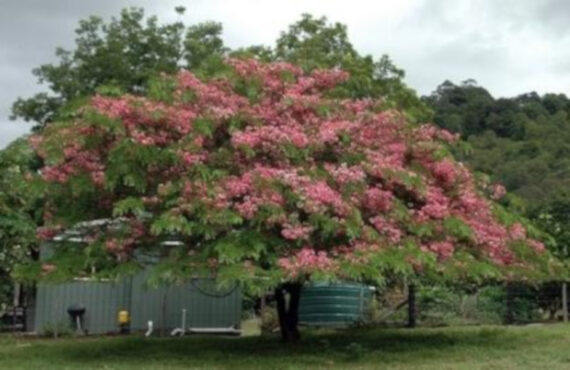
(102, 300)
(206, 306)
(221, 310)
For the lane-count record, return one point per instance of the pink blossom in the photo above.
(517, 231)
(344, 174)
(445, 172)
(305, 261)
(437, 205)
(378, 200)
(238, 186)
(296, 232)
(388, 228)
(248, 208)
(498, 191)
(536, 245)
(444, 249)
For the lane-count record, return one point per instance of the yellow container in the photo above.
(123, 317)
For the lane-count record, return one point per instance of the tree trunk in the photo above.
(288, 310)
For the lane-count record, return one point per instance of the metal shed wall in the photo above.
(102, 299)
(206, 306)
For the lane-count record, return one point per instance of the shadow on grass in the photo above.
(387, 345)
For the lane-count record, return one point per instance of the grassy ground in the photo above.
(530, 347)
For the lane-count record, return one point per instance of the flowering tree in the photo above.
(268, 180)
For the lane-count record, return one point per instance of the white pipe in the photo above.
(180, 331)
(149, 331)
(230, 330)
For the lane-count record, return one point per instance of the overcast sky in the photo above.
(508, 46)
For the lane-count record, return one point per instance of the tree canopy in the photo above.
(266, 177)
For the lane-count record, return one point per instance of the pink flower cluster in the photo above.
(378, 200)
(517, 231)
(388, 228)
(444, 249)
(330, 131)
(344, 174)
(436, 207)
(498, 191)
(270, 137)
(305, 261)
(445, 171)
(296, 232)
(319, 196)
(430, 132)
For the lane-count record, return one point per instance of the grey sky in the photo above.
(508, 46)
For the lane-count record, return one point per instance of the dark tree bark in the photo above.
(288, 310)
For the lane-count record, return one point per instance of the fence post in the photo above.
(163, 313)
(509, 315)
(411, 306)
(565, 302)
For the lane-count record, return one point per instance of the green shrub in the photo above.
(269, 320)
(57, 329)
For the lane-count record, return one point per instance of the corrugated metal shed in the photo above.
(102, 300)
(206, 306)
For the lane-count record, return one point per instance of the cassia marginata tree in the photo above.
(269, 180)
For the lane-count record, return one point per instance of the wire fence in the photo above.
(436, 305)
(13, 319)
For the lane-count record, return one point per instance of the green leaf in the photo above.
(130, 205)
(239, 245)
(457, 228)
(203, 126)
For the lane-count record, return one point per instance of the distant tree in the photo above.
(203, 46)
(124, 54)
(554, 218)
(461, 108)
(21, 210)
(313, 43)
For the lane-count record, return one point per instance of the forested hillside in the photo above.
(521, 142)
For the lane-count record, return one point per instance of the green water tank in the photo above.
(339, 304)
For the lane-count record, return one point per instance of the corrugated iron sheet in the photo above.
(206, 306)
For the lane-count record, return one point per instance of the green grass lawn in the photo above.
(530, 347)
